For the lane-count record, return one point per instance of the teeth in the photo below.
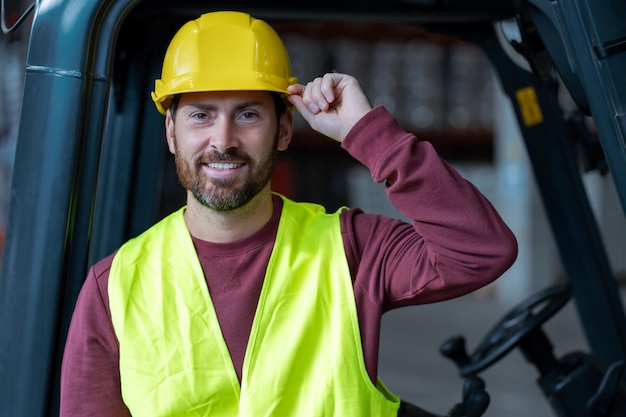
(223, 165)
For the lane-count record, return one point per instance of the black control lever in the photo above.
(610, 390)
(475, 399)
(454, 349)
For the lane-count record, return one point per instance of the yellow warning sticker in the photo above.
(529, 106)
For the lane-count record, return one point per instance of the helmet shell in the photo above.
(223, 51)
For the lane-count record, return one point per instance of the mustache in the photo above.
(231, 155)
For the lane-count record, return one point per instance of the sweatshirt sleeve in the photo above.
(90, 379)
(456, 243)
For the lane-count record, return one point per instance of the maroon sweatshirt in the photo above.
(456, 244)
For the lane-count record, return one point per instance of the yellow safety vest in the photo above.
(304, 357)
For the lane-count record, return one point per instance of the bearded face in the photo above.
(226, 145)
(225, 193)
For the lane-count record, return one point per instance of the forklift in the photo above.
(86, 164)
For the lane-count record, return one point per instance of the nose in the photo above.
(223, 135)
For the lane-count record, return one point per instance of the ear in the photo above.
(285, 130)
(169, 131)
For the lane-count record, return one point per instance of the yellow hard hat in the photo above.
(223, 51)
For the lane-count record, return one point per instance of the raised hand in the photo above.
(331, 104)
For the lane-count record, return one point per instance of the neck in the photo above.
(230, 226)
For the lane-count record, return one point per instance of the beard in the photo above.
(230, 193)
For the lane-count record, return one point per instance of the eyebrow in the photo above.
(210, 106)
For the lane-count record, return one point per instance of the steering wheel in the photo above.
(515, 326)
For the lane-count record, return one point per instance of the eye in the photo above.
(199, 116)
(249, 115)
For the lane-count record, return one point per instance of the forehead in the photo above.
(227, 99)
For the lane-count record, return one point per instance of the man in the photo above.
(243, 302)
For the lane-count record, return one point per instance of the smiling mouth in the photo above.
(224, 165)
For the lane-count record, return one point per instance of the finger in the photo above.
(296, 100)
(300, 97)
(322, 93)
(311, 91)
(296, 89)
(311, 97)
(328, 87)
